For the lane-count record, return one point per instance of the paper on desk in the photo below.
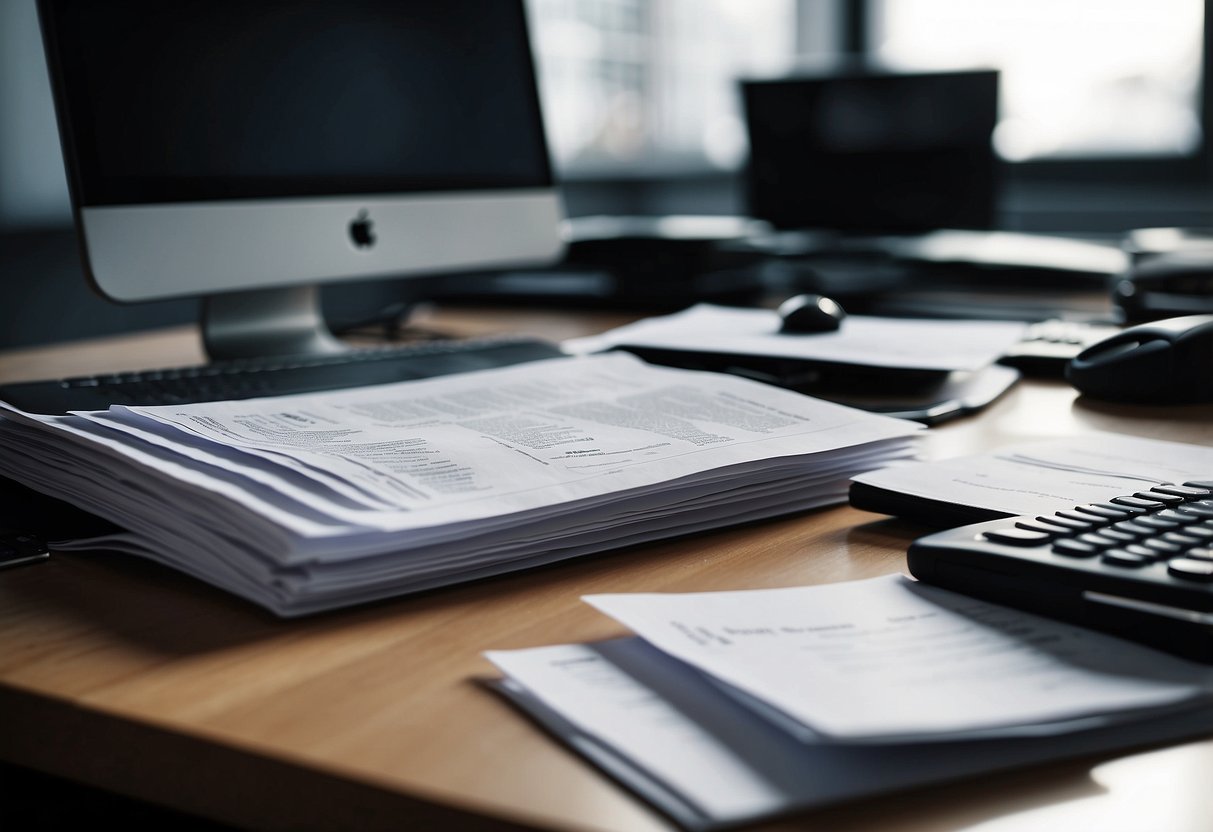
(1042, 477)
(708, 760)
(889, 659)
(945, 345)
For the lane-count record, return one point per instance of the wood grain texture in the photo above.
(129, 676)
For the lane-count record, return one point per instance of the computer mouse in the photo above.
(1162, 362)
(807, 314)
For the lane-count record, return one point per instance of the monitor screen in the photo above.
(874, 152)
(224, 145)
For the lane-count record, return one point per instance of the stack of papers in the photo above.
(308, 502)
(732, 706)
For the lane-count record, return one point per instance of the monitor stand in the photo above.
(266, 322)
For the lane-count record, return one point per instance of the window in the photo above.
(1080, 78)
(643, 85)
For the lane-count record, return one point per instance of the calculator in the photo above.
(1139, 566)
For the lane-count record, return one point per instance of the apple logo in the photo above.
(360, 230)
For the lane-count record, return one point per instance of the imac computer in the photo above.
(248, 152)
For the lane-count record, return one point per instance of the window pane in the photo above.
(1079, 77)
(629, 83)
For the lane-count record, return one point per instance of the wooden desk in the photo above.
(128, 676)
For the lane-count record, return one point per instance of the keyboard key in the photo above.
(1200, 553)
(1075, 548)
(1121, 537)
(1200, 484)
(1121, 557)
(1012, 536)
(1191, 569)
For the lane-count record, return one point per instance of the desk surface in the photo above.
(128, 676)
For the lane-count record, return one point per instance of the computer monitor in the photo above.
(873, 152)
(247, 152)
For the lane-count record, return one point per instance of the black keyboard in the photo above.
(1139, 566)
(250, 378)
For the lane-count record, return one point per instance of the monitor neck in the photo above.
(266, 322)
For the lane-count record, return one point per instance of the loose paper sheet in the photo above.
(901, 343)
(1043, 477)
(889, 658)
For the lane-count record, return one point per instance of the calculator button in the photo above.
(1113, 513)
(1162, 546)
(1113, 533)
(1159, 496)
(1017, 537)
(1196, 509)
(1158, 524)
(1199, 553)
(1181, 539)
(1071, 520)
(1097, 540)
(1044, 528)
(1138, 502)
(1191, 569)
(1075, 548)
(1132, 511)
(1138, 549)
(1134, 528)
(1094, 520)
(1188, 492)
(1177, 516)
(1120, 557)
(1201, 530)
(1200, 484)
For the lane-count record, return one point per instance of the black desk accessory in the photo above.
(1139, 566)
(809, 314)
(1169, 274)
(1165, 362)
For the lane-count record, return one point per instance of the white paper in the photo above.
(526, 437)
(945, 345)
(890, 659)
(708, 760)
(1043, 477)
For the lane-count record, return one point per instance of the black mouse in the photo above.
(1163, 362)
(806, 314)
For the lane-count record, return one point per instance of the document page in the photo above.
(946, 345)
(1042, 477)
(519, 438)
(889, 659)
(707, 760)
